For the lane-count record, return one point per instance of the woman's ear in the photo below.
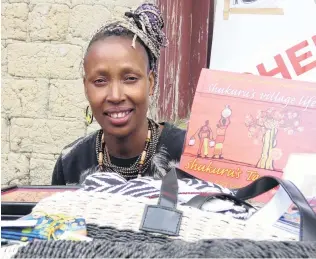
(84, 85)
(151, 83)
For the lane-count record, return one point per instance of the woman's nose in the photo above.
(116, 93)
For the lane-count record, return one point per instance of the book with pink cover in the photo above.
(244, 126)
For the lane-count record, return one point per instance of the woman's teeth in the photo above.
(117, 115)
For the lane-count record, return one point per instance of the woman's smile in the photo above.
(120, 117)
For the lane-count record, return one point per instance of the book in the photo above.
(280, 211)
(305, 180)
(18, 223)
(244, 126)
(290, 220)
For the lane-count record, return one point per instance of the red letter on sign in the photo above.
(295, 60)
(281, 68)
(314, 39)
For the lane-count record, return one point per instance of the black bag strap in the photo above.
(169, 190)
(199, 200)
(166, 207)
(262, 185)
(164, 218)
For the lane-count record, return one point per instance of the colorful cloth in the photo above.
(47, 227)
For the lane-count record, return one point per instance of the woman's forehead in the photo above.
(116, 49)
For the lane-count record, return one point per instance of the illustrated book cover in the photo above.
(244, 126)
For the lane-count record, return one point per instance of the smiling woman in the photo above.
(120, 74)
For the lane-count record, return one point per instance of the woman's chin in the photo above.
(118, 132)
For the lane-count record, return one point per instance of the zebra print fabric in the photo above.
(148, 187)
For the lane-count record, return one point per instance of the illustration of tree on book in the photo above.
(265, 126)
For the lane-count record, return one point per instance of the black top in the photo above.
(80, 157)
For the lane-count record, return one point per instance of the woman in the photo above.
(120, 73)
(205, 135)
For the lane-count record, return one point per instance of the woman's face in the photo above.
(118, 84)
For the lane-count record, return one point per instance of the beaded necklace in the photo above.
(141, 164)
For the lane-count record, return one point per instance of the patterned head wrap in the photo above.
(146, 23)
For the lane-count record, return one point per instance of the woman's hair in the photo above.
(144, 25)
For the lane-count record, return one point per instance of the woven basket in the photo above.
(125, 213)
(8, 252)
(220, 248)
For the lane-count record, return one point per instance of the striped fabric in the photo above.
(150, 188)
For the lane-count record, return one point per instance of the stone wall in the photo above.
(43, 102)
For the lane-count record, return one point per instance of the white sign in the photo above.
(301, 170)
(266, 37)
(254, 3)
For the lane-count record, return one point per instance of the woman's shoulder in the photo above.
(173, 138)
(75, 158)
(170, 130)
(80, 145)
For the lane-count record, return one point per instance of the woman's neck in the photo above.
(128, 147)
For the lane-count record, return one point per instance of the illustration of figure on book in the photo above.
(221, 129)
(205, 135)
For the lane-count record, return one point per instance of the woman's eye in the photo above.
(100, 81)
(131, 79)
